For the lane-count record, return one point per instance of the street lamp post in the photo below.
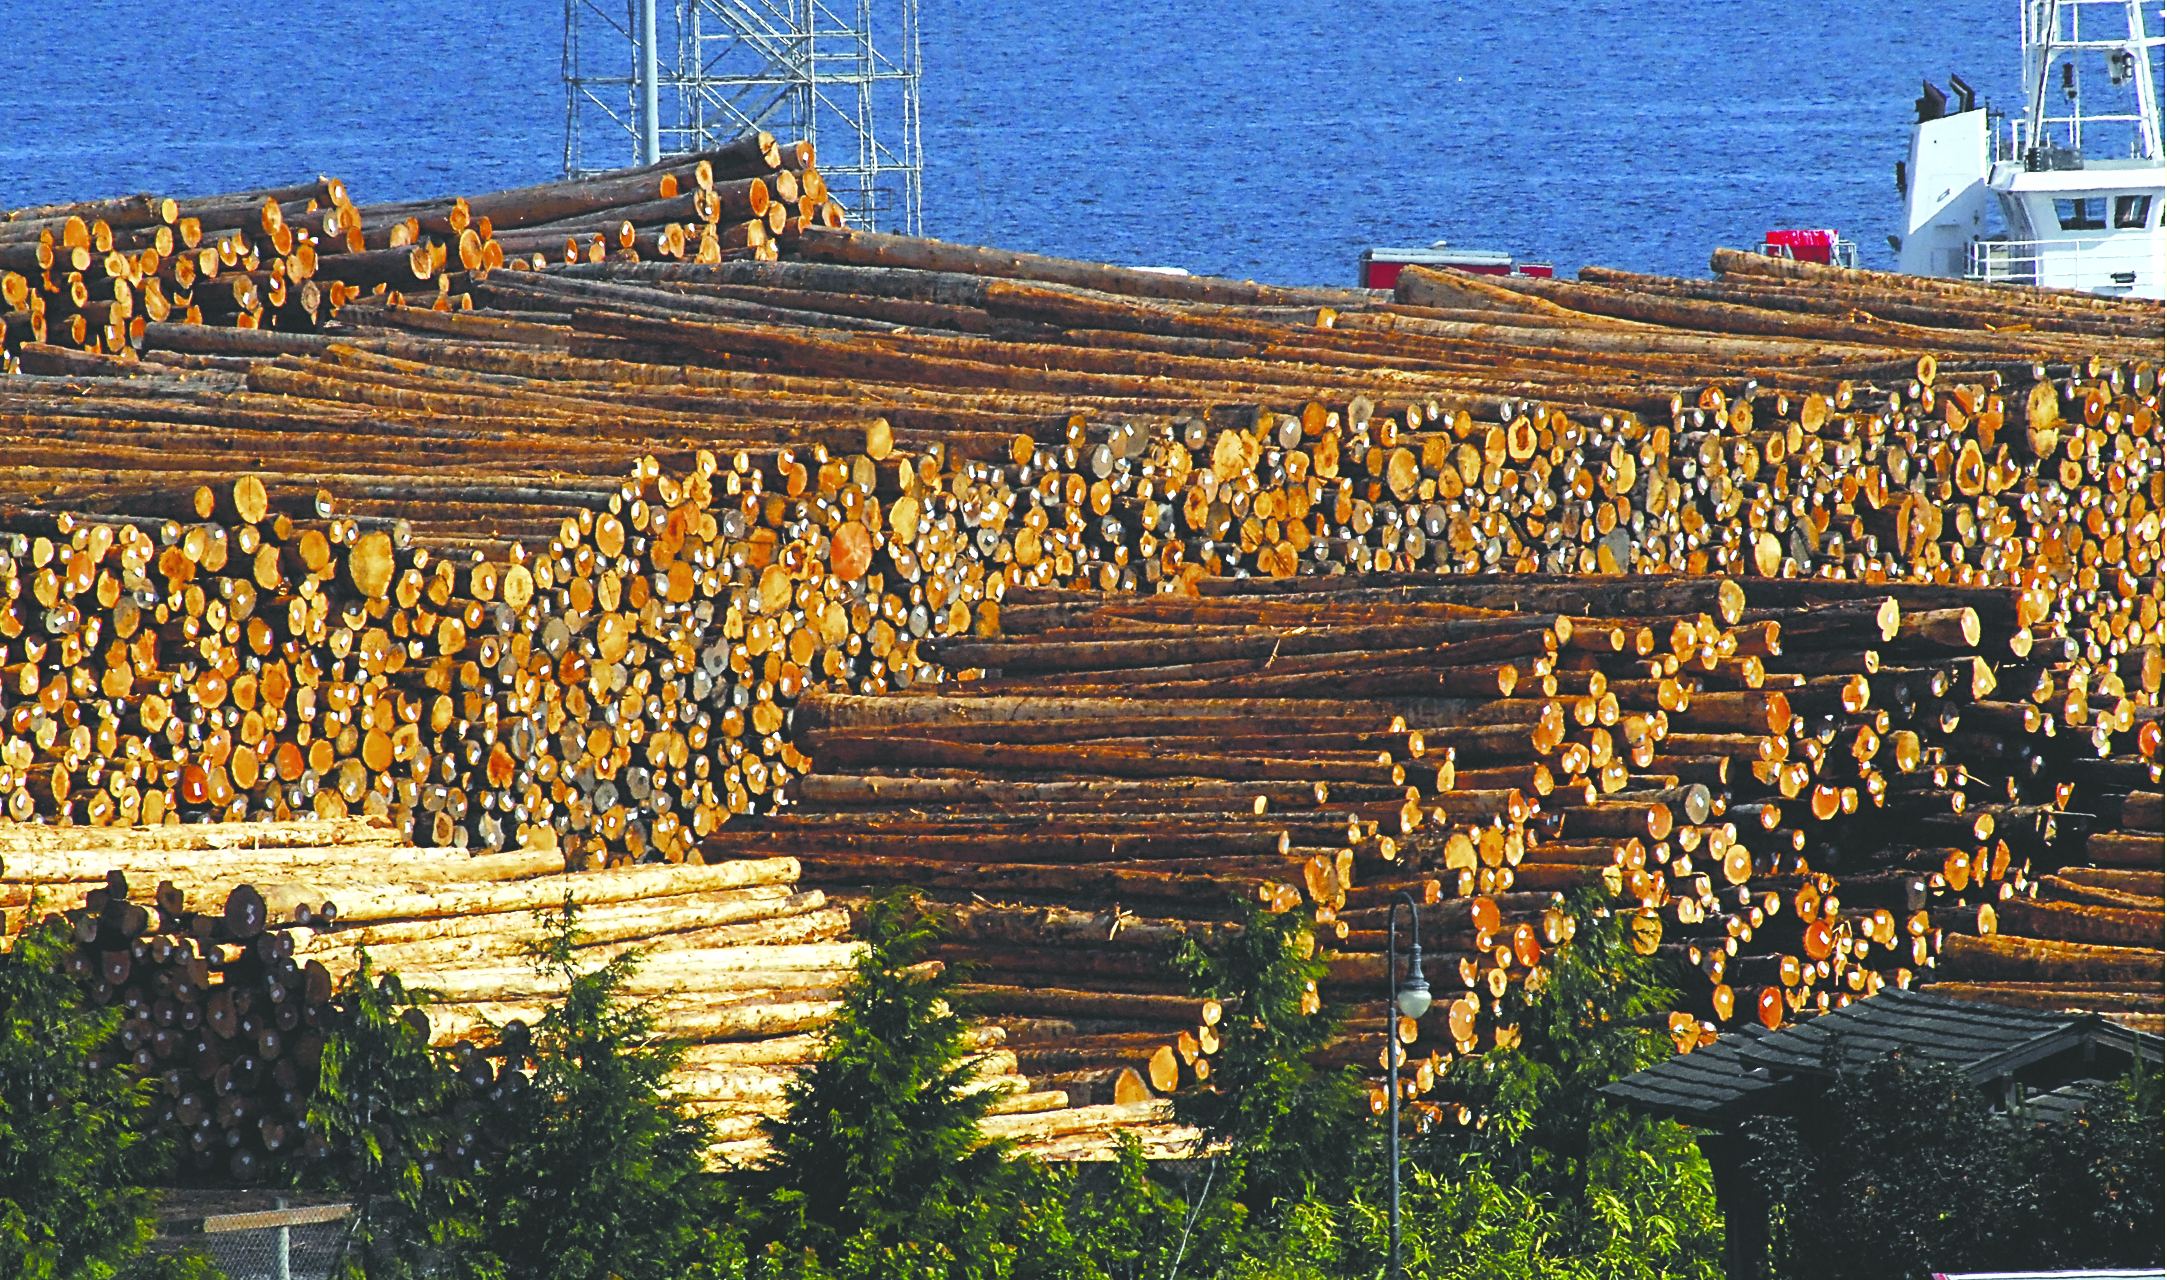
(1411, 999)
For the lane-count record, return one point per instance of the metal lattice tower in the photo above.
(716, 69)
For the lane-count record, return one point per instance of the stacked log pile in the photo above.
(2089, 935)
(1796, 840)
(556, 571)
(224, 942)
(92, 276)
(883, 513)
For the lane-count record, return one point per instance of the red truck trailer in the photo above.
(1380, 268)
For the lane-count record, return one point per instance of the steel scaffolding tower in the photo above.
(647, 79)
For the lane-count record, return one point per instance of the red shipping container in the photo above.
(1802, 245)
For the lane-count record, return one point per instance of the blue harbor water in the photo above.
(1265, 141)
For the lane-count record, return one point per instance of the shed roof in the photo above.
(1757, 1072)
(1709, 1086)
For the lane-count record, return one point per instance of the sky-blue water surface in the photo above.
(1265, 141)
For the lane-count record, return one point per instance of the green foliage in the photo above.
(74, 1132)
(1129, 1221)
(594, 1173)
(580, 1170)
(186, 1264)
(1555, 1182)
(1589, 1184)
(1461, 1223)
(386, 1113)
(1903, 1167)
(879, 1166)
(2093, 1194)
(1582, 1026)
(1290, 1130)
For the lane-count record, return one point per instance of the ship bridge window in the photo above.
(2082, 215)
(2132, 211)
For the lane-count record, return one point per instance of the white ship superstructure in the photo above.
(2079, 181)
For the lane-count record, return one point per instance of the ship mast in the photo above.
(2053, 37)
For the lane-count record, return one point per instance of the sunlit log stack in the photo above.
(1799, 821)
(223, 943)
(663, 500)
(92, 276)
(2089, 935)
(473, 435)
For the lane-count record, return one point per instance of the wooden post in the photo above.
(1744, 1209)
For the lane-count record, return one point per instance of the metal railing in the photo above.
(2095, 262)
(1842, 253)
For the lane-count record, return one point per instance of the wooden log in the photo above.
(1067, 927)
(815, 925)
(2127, 848)
(1110, 842)
(2061, 889)
(1539, 875)
(1100, 880)
(871, 750)
(587, 888)
(2055, 998)
(1075, 1052)
(785, 1050)
(873, 249)
(20, 838)
(1748, 713)
(2031, 960)
(986, 998)
(644, 918)
(830, 789)
(2073, 922)
(473, 983)
(823, 710)
(1117, 1114)
(2151, 884)
(698, 1023)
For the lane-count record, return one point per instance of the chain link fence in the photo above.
(300, 1242)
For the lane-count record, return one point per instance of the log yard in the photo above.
(374, 575)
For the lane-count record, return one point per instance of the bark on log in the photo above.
(2029, 960)
(1180, 1011)
(2072, 922)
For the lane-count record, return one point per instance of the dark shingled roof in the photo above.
(1987, 1040)
(1709, 1086)
(1758, 1072)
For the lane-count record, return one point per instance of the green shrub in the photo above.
(75, 1131)
(879, 1167)
(1904, 1167)
(1600, 1190)
(1289, 1130)
(593, 1173)
(388, 1130)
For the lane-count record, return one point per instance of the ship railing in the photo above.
(2097, 262)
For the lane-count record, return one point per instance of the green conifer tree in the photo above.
(879, 1166)
(75, 1138)
(595, 1173)
(386, 1130)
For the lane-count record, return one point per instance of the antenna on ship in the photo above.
(648, 79)
(2055, 33)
